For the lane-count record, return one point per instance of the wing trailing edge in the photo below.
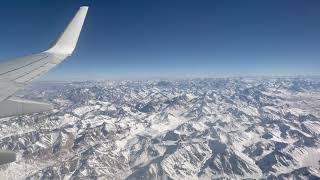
(14, 107)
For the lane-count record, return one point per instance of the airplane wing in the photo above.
(17, 73)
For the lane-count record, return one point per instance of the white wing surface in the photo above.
(17, 73)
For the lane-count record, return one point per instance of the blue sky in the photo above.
(125, 39)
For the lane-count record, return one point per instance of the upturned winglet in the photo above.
(67, 42)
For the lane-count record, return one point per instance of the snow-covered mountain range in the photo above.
(232, 128)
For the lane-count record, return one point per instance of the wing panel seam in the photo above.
(24, 65)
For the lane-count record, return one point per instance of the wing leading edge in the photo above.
(17, 73)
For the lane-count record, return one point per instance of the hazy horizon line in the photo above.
(155, 78)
